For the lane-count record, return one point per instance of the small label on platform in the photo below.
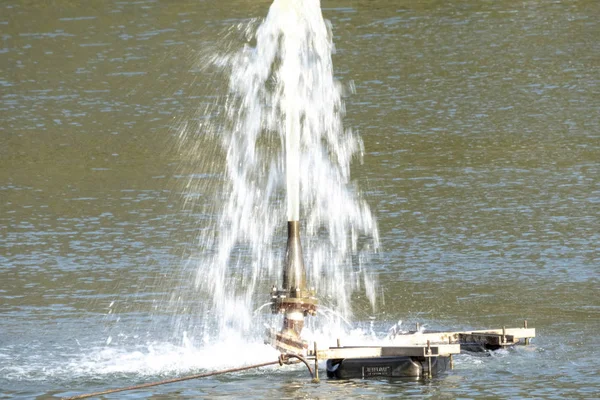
(368, 371)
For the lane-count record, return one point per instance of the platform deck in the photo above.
(388, 351)
(508, 337)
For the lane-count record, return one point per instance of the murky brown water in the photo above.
(482, 164)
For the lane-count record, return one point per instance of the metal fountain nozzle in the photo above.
(293, 299)
(294, 273)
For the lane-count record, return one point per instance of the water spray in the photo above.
(293, 300)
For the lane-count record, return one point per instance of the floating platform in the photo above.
(388, 361)
(416, 354)
(387, 367)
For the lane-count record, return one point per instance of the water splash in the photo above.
(282, 103)
(143, 360)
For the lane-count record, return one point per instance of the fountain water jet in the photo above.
(280, 132)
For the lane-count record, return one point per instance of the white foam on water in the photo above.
(158, 359)
(150, 359)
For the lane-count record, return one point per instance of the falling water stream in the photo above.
(280, 131)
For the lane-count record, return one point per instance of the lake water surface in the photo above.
(480, 121)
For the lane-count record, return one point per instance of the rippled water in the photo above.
(480, 122)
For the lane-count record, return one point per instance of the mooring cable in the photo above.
(302, 359)
(283, 359)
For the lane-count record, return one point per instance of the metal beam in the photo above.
(518, 335)
(388, 351)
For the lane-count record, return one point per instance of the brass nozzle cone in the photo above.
(294, 274)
